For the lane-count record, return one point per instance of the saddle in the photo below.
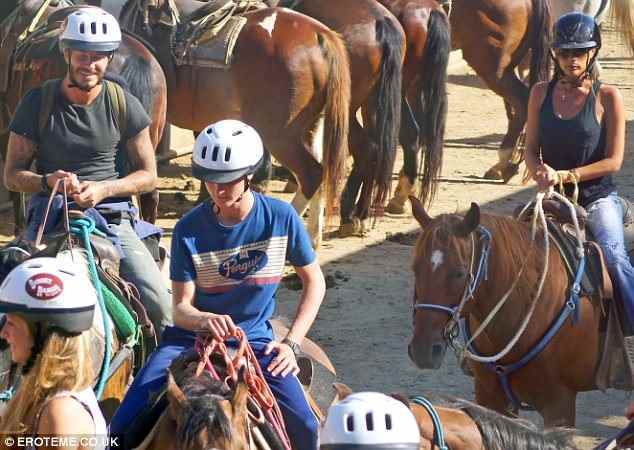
(203, 34)
(615, 368)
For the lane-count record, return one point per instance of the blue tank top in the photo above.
(578, 141)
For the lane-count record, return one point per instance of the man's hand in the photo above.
(70, 179)
(545, 176)
(285, 362)
(220, 326)
(90, 193)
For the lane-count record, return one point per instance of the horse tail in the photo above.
(336, 116)
(623, 12)
(540, 58)
(388, 108)
(137, 73)
(434, 103)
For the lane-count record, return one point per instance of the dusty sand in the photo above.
(365, 321)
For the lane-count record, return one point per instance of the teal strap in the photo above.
(439, 434)
(7, 394)
(83, 227)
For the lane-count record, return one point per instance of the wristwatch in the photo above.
(293, 345)
(44, 184)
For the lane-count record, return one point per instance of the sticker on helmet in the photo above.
(44, 286)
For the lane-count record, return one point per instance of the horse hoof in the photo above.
(395, 206)
(509, 171)
(291, 187)
(493, 174)
(347, 230)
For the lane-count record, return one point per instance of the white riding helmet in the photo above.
(49, 291)
(90, 29)
(370, 420)
(226, 151)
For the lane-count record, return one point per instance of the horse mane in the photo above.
(502, 433)
(203, 395)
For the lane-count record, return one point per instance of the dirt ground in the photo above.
(365, 321)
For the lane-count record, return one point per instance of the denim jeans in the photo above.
(605, 221)
(138, 267)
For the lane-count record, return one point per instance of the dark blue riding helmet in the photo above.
(576, 30)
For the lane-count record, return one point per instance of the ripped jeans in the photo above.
(605, 221)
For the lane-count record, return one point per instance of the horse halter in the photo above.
(451, 329)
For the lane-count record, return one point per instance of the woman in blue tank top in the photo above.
(576, 132)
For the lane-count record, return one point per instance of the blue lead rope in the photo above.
(83, 227)
(438, 431)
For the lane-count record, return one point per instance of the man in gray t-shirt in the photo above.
(79, 145)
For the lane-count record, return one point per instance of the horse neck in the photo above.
(511, 251)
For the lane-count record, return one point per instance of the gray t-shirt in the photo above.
(82, 139)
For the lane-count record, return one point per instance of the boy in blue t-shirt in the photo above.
(228, 256)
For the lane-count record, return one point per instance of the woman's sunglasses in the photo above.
(569, 52)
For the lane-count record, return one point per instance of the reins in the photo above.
(258, 388)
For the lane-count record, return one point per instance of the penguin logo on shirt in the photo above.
(243, 264)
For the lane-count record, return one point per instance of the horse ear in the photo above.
(419, 212)
(176, 397)
(470, 221)
(342, 390)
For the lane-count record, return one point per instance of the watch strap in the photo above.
(293, 345)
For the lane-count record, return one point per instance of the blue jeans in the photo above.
(138, 268)
(301, 424)
(605, 221)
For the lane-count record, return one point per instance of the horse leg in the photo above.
(202, 194)
(410, 141)
(149, 205)
(488, 390)
(558, 408)
(516, 94)
(262, 176)
(163, 147)
(358, 142)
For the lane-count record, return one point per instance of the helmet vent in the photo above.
(227, 154)
(203, 153)
(82, 28)
(210, 130)
(350, 424)
(93, 27)
(67, 272)
(369, 422)
(104, 28)
(388, 422)
(214, 154)
(236, 133)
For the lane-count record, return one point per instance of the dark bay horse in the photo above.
(494, 36)
(287, 69)
(133, 62)
(376, 46)
(467, 426)
(445, 260)
(424, 96)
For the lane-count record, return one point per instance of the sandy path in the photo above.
(364, 323)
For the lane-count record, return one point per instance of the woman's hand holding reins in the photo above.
(285, 361)
(545, 176)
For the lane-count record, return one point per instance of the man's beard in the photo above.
(85, 86)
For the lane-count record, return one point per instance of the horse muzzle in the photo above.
(427, 356)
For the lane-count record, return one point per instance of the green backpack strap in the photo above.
(117, 99)
(50, 88)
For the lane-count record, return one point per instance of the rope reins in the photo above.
(259, 390)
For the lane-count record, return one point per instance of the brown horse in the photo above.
(287, 70)
(445, 260)
(376, 45)
(466, 426)
(494, 36)
(424, 96)
(204, 413)
(133, 62)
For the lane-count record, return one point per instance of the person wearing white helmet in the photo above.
(49, 308)
(370, 421)
(81, 143)
(228, 256)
